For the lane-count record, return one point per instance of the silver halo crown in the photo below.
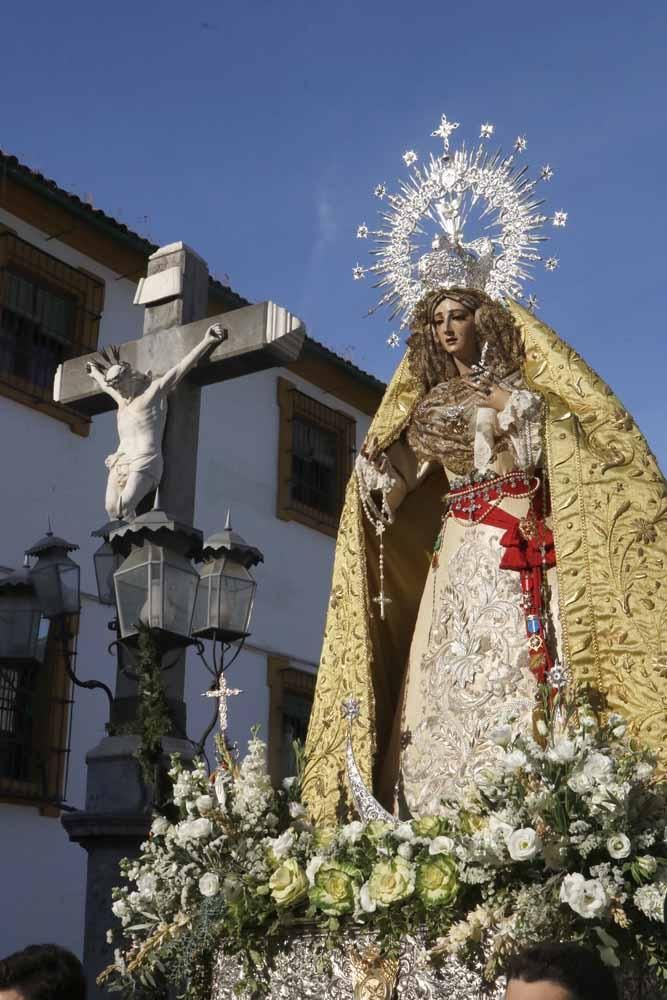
(422, 244)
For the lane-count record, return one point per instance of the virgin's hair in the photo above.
(494, 325)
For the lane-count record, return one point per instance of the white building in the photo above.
(275, 447)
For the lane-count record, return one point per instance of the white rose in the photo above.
(313, 867)
(618, 846)
(514, 760)
(367, 904)
(209, 884)
(405, 832)
(523, 844)
(201, 828)
(204, 803)
(282, 845)
(499, 829)
(120, 909)
(598, 768)
(501, 735)
(159, 826)
(351, 832)
(404, 850)
(562, 752)
(441, 845)
(585, 896)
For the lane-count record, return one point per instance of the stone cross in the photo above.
(175, 296)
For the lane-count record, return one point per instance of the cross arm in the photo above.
(260, 336)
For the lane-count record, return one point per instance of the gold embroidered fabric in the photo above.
(609, 504)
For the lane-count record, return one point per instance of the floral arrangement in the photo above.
(563, 837)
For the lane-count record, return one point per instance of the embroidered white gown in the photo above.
(468, 662)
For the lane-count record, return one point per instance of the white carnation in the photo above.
(585, 896)
(514, 760)
(204, 803)
(209, 884)
(120, 909)
(523, 844)
(351, 832)
(147, 884)
(598, 768)
(563, 752)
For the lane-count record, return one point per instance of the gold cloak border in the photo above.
(609, 502)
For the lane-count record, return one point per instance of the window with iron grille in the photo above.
(291, 700)
(49, 312)
(35, 721)
(316, 455)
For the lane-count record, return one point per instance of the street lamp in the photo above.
(55, 576)
(156, 585)
(106, 560)
(226, 588)
(21, 634)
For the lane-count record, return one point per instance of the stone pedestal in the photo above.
(115, 822)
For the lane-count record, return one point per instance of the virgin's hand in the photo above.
(487, 392)
(370, 451)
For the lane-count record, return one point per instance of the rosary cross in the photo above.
(223, 692)
(382, 600)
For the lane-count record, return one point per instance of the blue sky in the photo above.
(256, 132)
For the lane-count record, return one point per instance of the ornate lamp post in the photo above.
(21, 636)
(226, 587)
(55, 577)
(156, 584)
(106, 560)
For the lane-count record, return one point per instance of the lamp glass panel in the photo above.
(106, 563)
(19, 627)
(131, 582)
(180, 580)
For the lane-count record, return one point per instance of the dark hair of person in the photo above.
(577, 969)
(44, 972)
(431, 364)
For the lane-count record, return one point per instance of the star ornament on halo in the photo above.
(445, 129)
(466, 216)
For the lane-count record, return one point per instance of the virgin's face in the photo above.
(454, 328)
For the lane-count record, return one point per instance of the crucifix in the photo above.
(222, 692)
(157, 380)
(180, 352)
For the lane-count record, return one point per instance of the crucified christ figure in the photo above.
(136, 466)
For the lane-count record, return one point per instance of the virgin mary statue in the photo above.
(506, 523)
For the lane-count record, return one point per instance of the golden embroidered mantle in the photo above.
(609, 502)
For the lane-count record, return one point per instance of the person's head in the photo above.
(451, 323)
(125, 379)
(42, 972)
(559, 971)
